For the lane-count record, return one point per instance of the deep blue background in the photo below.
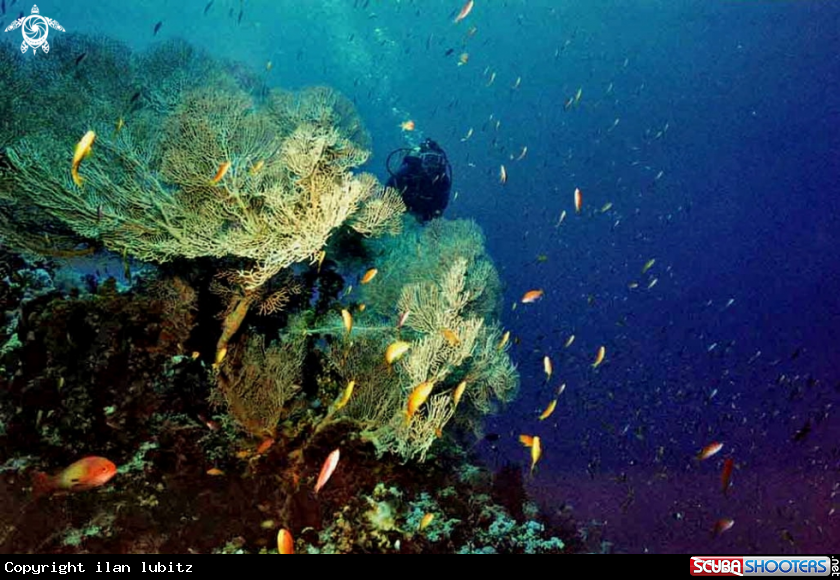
(746, 208)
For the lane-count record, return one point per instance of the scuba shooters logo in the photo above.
(716, 566)
(35, 30)
(760, 566)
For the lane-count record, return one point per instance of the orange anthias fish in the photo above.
(427, 519)
(347, 318)
(726, 474)
(459, 392)
(327, 470)
(86, 473)
(504, 340)
(369, 275)
(396, 350)
(578, 200)
(255, 168)
(465, 11)
(548, 410)
(345, 398)
(223, 169)
(407, 125)
(450, 337)
(264, 446)
(532, 296)
(599, 357)
(285, 542)
(81, 151)
(417, 397)
(709, 450)
(536, 452)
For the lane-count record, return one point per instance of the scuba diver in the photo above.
(424, 179)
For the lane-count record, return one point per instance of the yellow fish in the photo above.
(223, 169)
(417, 397)
(255, 168)
(547, 368)
(427, 519)
(459, 392)
(81, 151)
(348, 320)
(648, 265)
(548, 410)
(536, 452)
(599, 358)
(369, 275)
(503, 342)
(345, 398)
(451, 337)
(396, 350)
(220, 356)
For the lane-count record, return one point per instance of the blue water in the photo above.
(712, 129)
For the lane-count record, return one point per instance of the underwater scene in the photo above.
(419, 276)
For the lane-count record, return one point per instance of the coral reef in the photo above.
(250, 202)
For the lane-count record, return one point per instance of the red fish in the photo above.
(86, 473)
(726, 474)
(327, 470)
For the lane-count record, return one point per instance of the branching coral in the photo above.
(452, 339)
(207, 172)
(258, 381)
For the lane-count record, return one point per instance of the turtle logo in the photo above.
(35, 29)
